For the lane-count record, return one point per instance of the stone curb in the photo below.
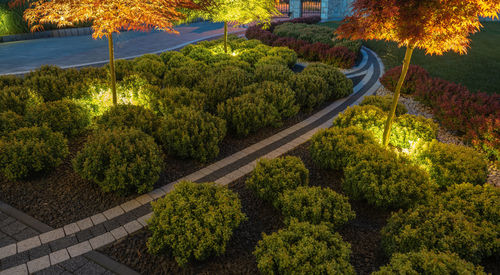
(46, 34)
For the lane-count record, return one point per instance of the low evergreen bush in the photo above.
(277, 94)
(165, 101)
(278, 73)
(339, 85)
(310, 90)
(18, 99)
(286, 54)
(368, 118)
(384, 103)
(130, 116)
(10, 121)
(187, 75)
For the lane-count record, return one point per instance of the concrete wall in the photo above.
(335, 9)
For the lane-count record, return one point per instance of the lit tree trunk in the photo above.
(225, 36)
(397, 92)
(112, 73)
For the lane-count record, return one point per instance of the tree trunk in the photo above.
(225, 36)
(112, 73)
(397, 92)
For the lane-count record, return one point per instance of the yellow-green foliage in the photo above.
(310, 90)
(450, 164)
(194, 221)
(277, 94)
(65, 116)
(278, 73)
(339, 85)
(384, 103)
(191, 133)
(10, 121)
(335, 148)
(187, 75)
(288, 55)
(315, 205)
(251, 56)
(120, 160)
(17, 99)
(428, 262)
(271, 60)
(129, 116)
(166, 100)
(464, 220)
(303, 248)
(368, 118)
(271, 177)
(385, 179)
(28, 151)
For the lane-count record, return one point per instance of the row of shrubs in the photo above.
(474, 115)
(341, 53)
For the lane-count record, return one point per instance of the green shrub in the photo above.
(50, 87)
(303, 248)
(368, 118)
(194, 221)
(455, 222)
(65, 116)
(428, 262)
(353, 45)
(339, 85)
(271, 60)
(385, 180)
(263, 48)
(251, 56)
(200, 54)
(234, 62)
(222, 84)
(165, 101)
(173, 59)
(190, 133)
(123, 68)
(187, 75)
(277, 94)
(120, 160)
(410, 130)
(286, 54)
(335, 148)
(248, 113)
(315, 205)
(150, 67)
(278, 73)
(310, 90)
(271, 177)
(27, 151)
(129, 116)
(10, 121)
(450, 164)
(17, 99)
(384, 103)
(10, 81)
(187, 49)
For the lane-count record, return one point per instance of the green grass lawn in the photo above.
(479, 69)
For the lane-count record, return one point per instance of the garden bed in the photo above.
(362, 233)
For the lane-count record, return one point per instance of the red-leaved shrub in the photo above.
(340, 57)
(415, 74)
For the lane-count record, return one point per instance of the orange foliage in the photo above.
(110, 16)
(437, 26)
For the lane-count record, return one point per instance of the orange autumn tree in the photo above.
(436, 26)
(110, 16)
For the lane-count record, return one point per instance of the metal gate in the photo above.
(311, 7)
(284, 8)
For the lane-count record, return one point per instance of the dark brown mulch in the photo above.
(61, 197)
(362, 233)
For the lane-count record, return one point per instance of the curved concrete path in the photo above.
(75, 51)
(116, 223)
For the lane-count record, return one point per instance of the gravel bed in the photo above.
(445, 136)
(362, 233)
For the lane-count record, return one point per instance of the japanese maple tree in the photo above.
(111, 16)
(436, 26)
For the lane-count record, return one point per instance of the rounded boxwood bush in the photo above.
(278, 73)
(194, 221)
(173, 59)
(251, 56)
(310, 90)
(450, 164)
(464, 221)
(10, 81)
(368, 118)
(271, 60)
(234, 62)
(315, 205)
(129, 116)
(277, 94)
(248, 113)
(335, 148)
(202, 54)
(187, 75)
(190, 133)
(10, 121)
(165, 101)
(385, 180)
(339, 85)
(50, 87)
(303, 248)
(284, 53)
(271, 177)
(409, 130)
(150, 67)
(384, 103)
(428, 262)
(122, 160)
(27, 151)
(123, 68)
(18, 99)
(65, 116)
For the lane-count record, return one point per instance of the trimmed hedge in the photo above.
(18, 99)
(464, 220)
(368, 118)
(339, 85)
(278, 73)
(450, 164)
(384, 103)
(277, 94)
(428, 262)
(186, 75)
(335, 148)
(415, 75)
(385, 180)
(191, 133)
(65, 116)
(289, 56)
(310, 90)
(271, 178)
(315, 205)
(28, 151)
(129, 116)
(166, 100)
(303, 248)
(122, 160)
(194, 221)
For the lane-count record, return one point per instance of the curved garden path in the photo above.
(85, 236)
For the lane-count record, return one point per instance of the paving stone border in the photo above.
(94, 232)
